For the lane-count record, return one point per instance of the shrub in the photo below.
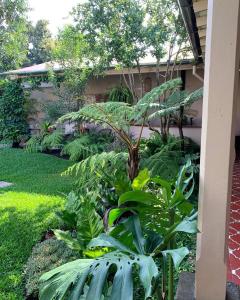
(45, 256)
(13, 112)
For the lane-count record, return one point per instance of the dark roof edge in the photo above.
(186, 8)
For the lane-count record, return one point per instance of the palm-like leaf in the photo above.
(114, 114)
(87, 171)
(177, 100)
(144, 104)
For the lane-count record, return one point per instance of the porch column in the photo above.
(217, 148)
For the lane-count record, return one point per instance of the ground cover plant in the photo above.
(26, 211)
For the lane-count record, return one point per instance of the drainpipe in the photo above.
(196, 74)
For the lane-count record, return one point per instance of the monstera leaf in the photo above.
(70, 280)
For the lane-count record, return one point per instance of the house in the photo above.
(98, 87)
(214, 31)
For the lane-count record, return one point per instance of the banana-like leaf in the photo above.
(69, 280)
(188, 226)
(177, 255)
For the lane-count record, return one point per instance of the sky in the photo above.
(55, 11)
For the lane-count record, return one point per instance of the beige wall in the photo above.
(101, 86)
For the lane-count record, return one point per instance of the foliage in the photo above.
(27, 211)
(70, 52)
(41, 43)
(53, 140)
(33, 145)
(13, 34)
(128, 247)
(80, 213)
(13, 114)
(120, 94)
(86, 145)
(95, 170)
(45, 256)
(175, 101)
(118, 116)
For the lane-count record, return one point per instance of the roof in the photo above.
(194, 13)
(44, 68)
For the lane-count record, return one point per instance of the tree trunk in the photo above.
(133, 163)
(180, 127)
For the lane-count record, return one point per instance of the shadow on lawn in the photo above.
(20, 230)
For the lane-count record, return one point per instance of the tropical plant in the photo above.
(118, 116)
(86, 145)
(174, 107)
(125, 250)
(53, 140)
(120, 94)
(80, 214)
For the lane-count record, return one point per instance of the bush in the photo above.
(45, 256)
(13, 112)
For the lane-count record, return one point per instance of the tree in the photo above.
(115, 31)
(13, 34)
(41, 43)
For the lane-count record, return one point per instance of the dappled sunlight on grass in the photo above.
(27, 211)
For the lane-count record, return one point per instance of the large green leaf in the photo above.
(104, 240)
(188, 226)
(66, 236)
(177, 255)
(138, 196)
(69, 280)
(141, 180)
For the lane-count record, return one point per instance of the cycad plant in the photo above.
(119, 116)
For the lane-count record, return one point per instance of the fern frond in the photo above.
(53, 140)
(81, 148)
(114, 114)
(33, 145)
(166, 161)
(144, 104)
(90, 171)
(177, 100)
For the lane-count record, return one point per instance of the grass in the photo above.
(26, 211)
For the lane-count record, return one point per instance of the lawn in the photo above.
(26, 210)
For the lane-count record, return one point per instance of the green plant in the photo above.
(86, 145)
(120, 94)
(131, 249)
(119, 116)
(80, 214)
(52, 140)
(13, 114)
(45, 256)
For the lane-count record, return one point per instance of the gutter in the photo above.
(189, 18)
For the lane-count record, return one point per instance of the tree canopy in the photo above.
(41, 43)
(13, 33)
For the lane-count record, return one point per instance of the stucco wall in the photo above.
(101, 85)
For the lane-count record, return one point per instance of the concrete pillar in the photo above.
(219, 106)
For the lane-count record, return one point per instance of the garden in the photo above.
(99, 213)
